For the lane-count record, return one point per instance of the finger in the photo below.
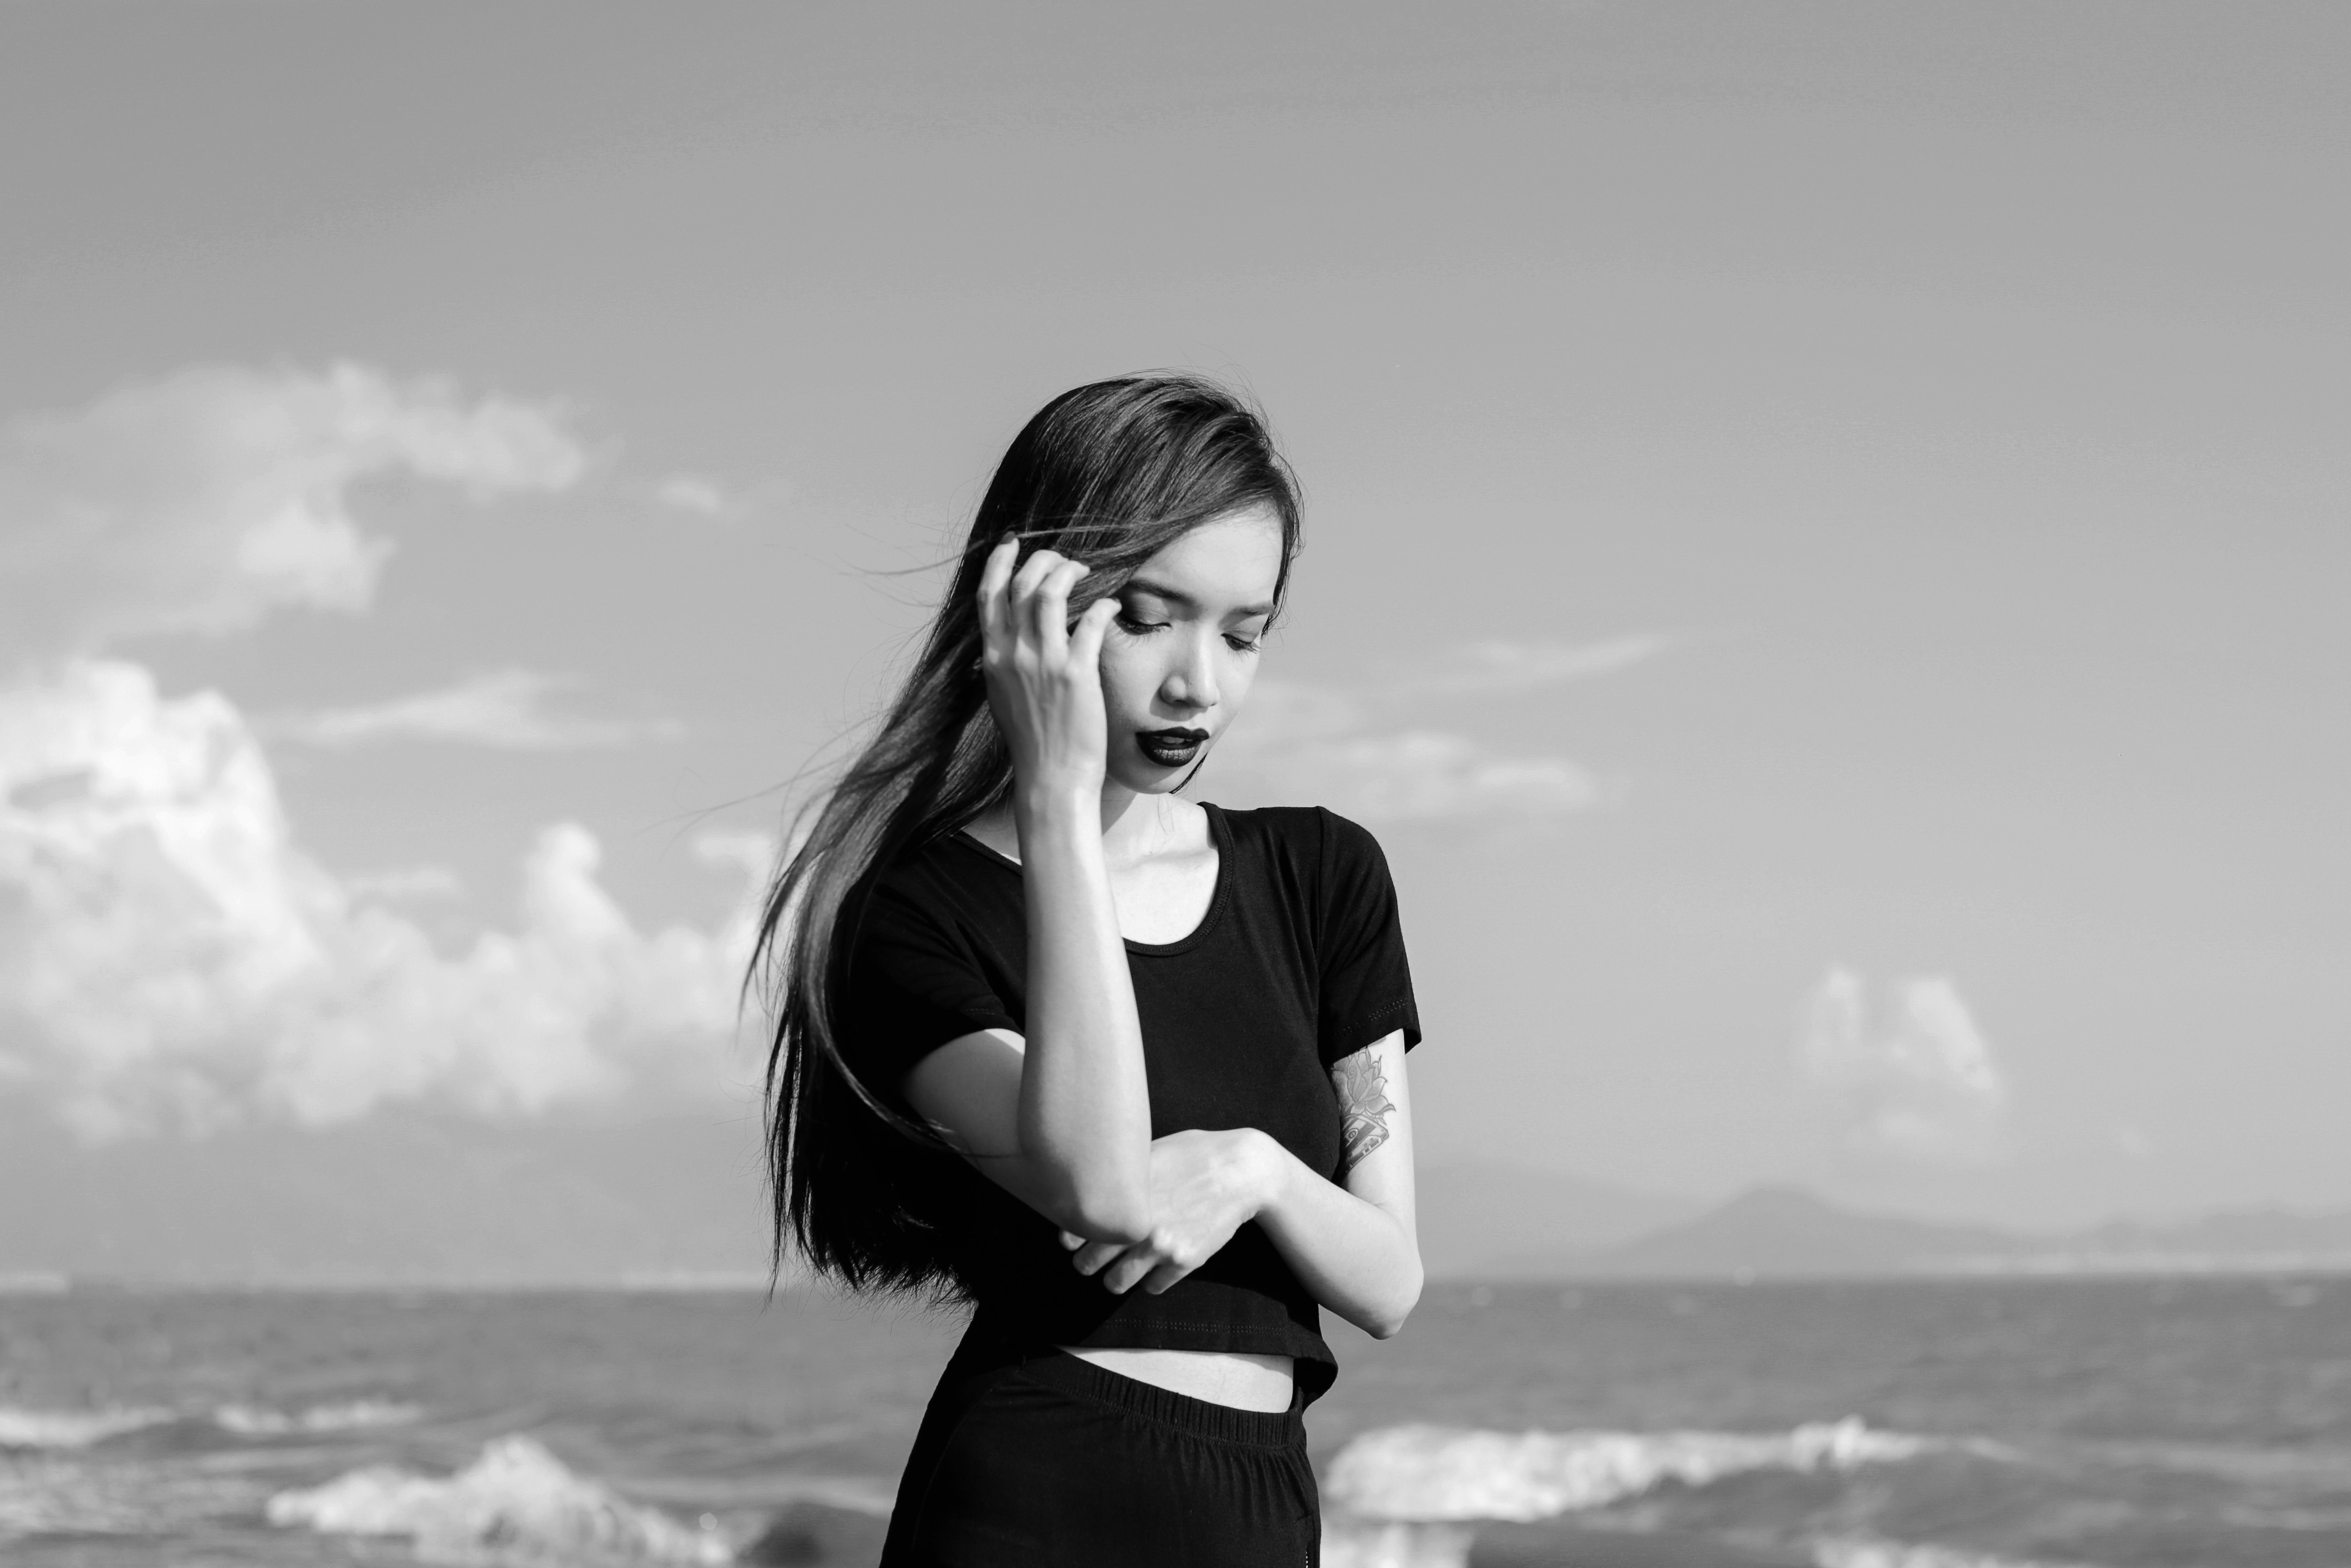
(1091, 1258)
(1086, 637)
(1166, 1274)
(1071, 1240)
(1052, 608)
(1129, 1270)
(1021, 599)
(994, 579)
(1030, 573)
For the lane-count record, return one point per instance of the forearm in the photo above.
(1085, 1108)
(1360, 1260)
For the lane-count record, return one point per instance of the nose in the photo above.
(1192, 684)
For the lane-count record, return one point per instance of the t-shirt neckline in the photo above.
(1219, 834)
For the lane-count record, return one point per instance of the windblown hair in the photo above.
(1108, 474)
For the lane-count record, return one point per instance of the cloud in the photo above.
(504, 708)
(203, 501)
(170, 957)
(700, 495)
(1420, 775)
(1302, 744)
(1914, 1078)
(406, 882)
(1521, 666)
(692, 493)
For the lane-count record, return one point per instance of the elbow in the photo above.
(1386, 1320)
(1120, 1222)
(1118, 1212)
(1087, 1194)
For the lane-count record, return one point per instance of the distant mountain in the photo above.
(1778, 1231)
(1782, 1232)
(423, 1199)
(2274, 1234)
(396, 1199)
(1491, 1220)
(426, 1199)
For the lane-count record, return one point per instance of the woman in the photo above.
(1125, 1072)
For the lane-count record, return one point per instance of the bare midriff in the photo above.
(1242, 1379)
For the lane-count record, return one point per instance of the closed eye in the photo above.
(1127, 623)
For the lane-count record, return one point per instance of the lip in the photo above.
(1171, 748)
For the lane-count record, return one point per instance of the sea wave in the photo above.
(1429, 1473)
(29, 1428)
(1391, 1543)
(1864, 1553)
(516, 1506)
(259, 1421)
(62, 1494)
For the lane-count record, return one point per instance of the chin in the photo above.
(1149, 780)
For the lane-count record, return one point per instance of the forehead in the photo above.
(1226, 561)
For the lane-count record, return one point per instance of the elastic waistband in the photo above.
(1201, 1418)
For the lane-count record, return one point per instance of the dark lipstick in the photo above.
(1171, 748)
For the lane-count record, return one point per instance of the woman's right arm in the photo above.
(1076, 1142)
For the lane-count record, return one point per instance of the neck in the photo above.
(1134, 826)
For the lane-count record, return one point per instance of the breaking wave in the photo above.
(1902, 1554)
(1429, 1474)
(516, 1506)
(258, 1421)
(23, 1428)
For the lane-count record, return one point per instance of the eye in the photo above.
(1241, 644)
(1129, 624)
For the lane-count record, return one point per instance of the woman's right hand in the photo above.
(1204, 1186)
(1044, 675)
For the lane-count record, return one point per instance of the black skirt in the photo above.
(1034, 1458)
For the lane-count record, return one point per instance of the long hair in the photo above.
(1108, 475)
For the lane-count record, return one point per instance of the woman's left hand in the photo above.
(1204, 1186)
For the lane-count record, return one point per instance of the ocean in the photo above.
(2125, 1423)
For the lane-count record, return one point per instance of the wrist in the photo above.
(1050, 803)
(1267, 1166)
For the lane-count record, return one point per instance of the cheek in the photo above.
(1128, 680)
(1239, 675)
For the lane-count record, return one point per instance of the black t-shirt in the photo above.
(1299, 962)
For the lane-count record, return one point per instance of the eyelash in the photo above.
(1134, 627)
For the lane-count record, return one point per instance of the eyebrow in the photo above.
(1178, 596)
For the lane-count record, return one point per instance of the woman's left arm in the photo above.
(1351, 1243)
(1355, 1246)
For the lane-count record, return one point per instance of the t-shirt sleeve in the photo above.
(914, 983)
(1367, 979)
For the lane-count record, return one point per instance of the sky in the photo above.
(1826, 547)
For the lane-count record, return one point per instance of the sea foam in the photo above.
(516, 1506)
(1429, 1474)
(1903, 1555)
(258, 1421)
(23, 1428)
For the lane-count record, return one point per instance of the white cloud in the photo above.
(1416, 775)
(169, 956)
(1913, 1078)
(201, 501)
(720, 500)
(1521, 666)
(405, 882)
(1304, 744)
(692, 493)
(506, 708)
